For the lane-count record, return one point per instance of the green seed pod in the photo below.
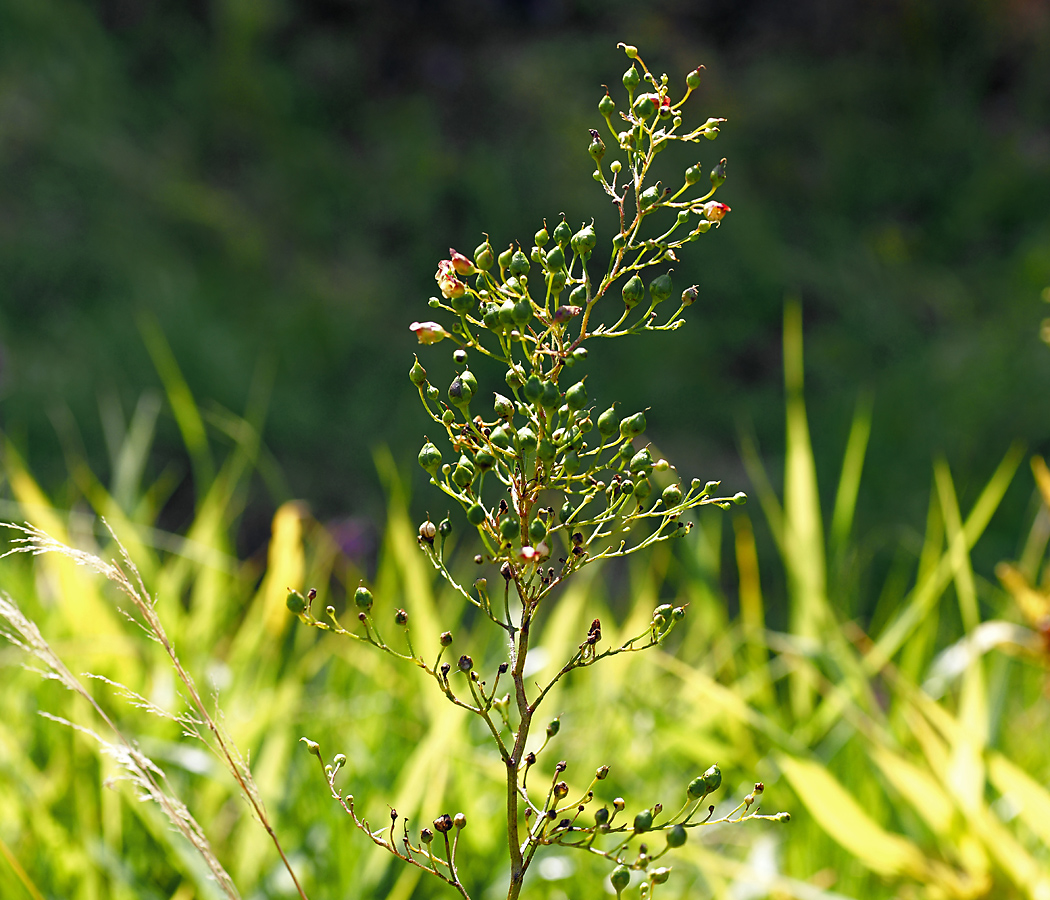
(506, 312)
(632, 425)
(579, 354)
(526, 439)
(631, 78)
(713, 778)
(519, 263)
(642, 461)
(689, 295)
(490, 317)
(601, 816)
(503, 406)
(627, 487)
(500, 438)
(512, 285)
(678, 613)
(426, 835)
(430, 458)
(692, 174)
(533, 388)
(571, 463)
(363, 598)
(556, 280)
(417, 374)
(505, 257)
(585, 424)
(606, 106)
(576, 396)
(660, 875)
(541, 237)
(448, 417)
(672, 495)
(645, 106)
(597, 147)
(643, 821)
(514, 378)
(553, 727)
(468, 379)
(462, 475)
(739, 498)
(718, 174)
(620, 878)
(545, 450)
(295, 602)
(660, 288)
(563, 234)
(578, 296)
(550, 398)
(649, 196)
(677, 836)
(660, 623)
(556, 256)
(522, 312)
(692, 79)
(509, 527)
(536, 255)
(584, 240)
(445, 527)
(607, 424)
(432, 393)
(633, 291)
(642, 489)
(463, 303)
(565, 512)
(537, 531)
(460, 392)
(697, 788)
(483, 257)
(475, 514)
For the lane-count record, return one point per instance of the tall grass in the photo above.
(912, 757)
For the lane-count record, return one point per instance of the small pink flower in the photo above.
(461, 263)
(715, 211)
(428, 332)
(450, 285)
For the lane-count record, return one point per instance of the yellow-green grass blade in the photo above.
(849, 479)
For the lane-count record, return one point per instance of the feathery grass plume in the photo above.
(197, 721)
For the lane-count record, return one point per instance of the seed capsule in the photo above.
(607, 424)
(426, 835)
(519, 263)
(606, 106)
(417, 374)
(526, 439)
(504, 258)
(643, 821)
(632, 425)
(430, 458)
(718, 174)
(601, 816)
(689, 295)
(576, 396)
(509, 527)
(363, 598)
(459, 392)
(584, 240)
(633, 291)
(465, 663)
(649, 196)
(551, 396)
(660, 288)
(672, 495)
(563, 234)
(500, 438)
(533, 388)
(295, 602)
(620, 878)
(677, 836)
(642, 489)
(553, 727)
(631, 78)
(443, 824)
(692, 175)
(660, 875)
(713, 778)
(475, 514)
(642, 461)
(460, 821)
(537, 531)
(692, 79)
(401, 617)
(556, 257)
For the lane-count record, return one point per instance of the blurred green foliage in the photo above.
(912, 758)
(273, 184)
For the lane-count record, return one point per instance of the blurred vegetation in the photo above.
(244, 203)
(273, 183)
(912, 758)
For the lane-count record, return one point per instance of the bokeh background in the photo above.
(255, 193)
(272, 184)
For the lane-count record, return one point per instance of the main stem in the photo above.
(517, 860)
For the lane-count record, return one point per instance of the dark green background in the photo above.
(274, 182)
